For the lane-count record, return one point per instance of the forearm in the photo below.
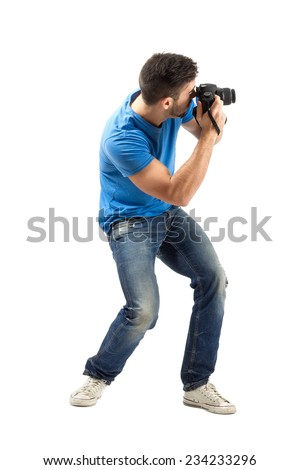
(188, 178)
(178, 189)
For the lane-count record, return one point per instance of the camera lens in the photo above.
(228, 96)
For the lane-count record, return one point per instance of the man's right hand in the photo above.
(217, 113)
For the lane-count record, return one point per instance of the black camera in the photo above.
(206, 94)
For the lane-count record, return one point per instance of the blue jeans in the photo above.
(177, 240)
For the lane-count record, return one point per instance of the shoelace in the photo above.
(213, 393)
(91, 386)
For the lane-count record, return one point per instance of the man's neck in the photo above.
(151, 114)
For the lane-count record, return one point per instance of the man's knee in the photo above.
(143, 317)
(214, 279)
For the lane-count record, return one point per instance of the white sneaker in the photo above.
(89, 393)
(208, 398)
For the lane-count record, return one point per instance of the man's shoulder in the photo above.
(125, 139)
(122, 120)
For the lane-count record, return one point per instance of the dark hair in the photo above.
(164, 74)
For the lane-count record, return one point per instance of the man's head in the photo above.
(165, 75)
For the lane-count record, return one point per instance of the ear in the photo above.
(167, 102)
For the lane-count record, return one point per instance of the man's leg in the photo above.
(188, 251)
(135, 263)
(135, 254)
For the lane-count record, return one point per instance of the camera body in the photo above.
(206, 94)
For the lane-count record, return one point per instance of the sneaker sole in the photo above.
(78, 402)
(220, 410)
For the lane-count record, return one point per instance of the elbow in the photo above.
(182, 201)
(180, 196)
(177, 201)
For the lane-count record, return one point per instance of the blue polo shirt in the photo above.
(129, 144)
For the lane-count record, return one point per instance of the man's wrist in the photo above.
(208, 135)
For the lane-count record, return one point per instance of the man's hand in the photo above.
(218, 115)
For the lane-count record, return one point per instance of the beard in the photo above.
(179, 111)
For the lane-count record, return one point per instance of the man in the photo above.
(140, 210)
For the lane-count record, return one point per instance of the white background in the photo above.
(65, 66)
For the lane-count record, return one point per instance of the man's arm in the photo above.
(179, 189)
(195, 129)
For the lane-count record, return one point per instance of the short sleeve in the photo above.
(128, 151)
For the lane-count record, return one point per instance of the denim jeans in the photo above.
(177, 240)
